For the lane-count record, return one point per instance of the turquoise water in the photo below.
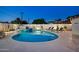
(35, 36)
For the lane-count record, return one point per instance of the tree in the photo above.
(19, 21)
(59, 20)
(24, 22)
(69, 19)
(39, 21)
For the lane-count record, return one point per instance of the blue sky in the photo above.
(8, 13)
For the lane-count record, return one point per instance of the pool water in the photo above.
(34, 36)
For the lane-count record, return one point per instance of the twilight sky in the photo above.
(8, 13)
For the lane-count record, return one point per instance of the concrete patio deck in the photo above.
(58, 45)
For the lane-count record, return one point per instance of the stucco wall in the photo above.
(46, 26)
(4, 27)
(75, 26)
(7, 27)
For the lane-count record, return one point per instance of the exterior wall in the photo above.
(46, 26)
(75, 26)
(75, 34)
(8, 27)
(4, 27)
(15, 26)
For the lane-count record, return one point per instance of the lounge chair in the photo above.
(2, 34)
(42, 27)
(49, 28)
(61, 29)
(52, 29)
(57, 29)
(27, 27)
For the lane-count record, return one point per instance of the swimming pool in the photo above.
(34, 36)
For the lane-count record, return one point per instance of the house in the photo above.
(75, 24)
